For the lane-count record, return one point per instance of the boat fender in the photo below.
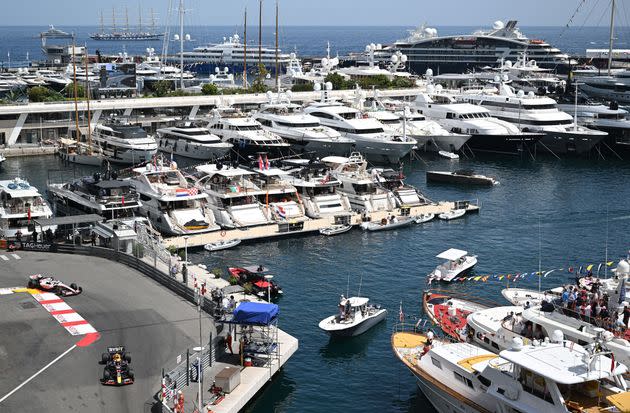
(223, 233)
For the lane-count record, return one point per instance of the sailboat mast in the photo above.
(87, 100)
(139, 18)
(612, 29)
(74, 87)
(245, 50)
(260, 35)
(277, 63)
(539, 257)
(181, 43)
(126, 20)
(113, 19)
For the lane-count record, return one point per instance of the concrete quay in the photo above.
(312, 225)
(25, 150)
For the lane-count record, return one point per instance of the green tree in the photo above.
(259, 84)
(68, 91)
(209, 89)
(378, 81)
(338, 82)
(403, 82)
(162, 87)
(302, 87)
(43, 94)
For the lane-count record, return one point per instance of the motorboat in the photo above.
(191, 141)
(525, 297)
(458, 262)
(174, 206)
(537, 114)
(535, 377)
(303, 131)
(495, 328)
(54, 80)
(245, 133)
(124, 143)
(318, 189)
(465, 52)
(448, 155)
(355, 316)
(54, 33)
(422, 218)
(81, 153)
(369, 134)
(449, 313)
(335, 229)
(358, 185)
(388, 224)
(405, 194)
(261, 281)
(21, 204)
(103, 195)
(461, 176)
(233, 195)
(222, 245)
(488, 134)
(452, 214)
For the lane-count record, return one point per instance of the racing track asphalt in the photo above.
(125, 307)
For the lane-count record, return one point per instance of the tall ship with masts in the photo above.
(125, 33)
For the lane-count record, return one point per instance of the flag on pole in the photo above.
(260, 162)
(28, 214)
(266, 163)
(589, 267)
(122, 200)
(612, 362)
(401, 315)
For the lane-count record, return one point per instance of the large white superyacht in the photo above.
(192, 141)
(20, 205)
(124, 143)
(173, 206)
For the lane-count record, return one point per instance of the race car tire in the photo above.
(104, 358)
(127, 357)
(106, 375)
(32, 284)
(74, 286)
(131, 375)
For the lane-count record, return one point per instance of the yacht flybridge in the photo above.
(20, 204)
(124, 143)
(191, 141)
(173, 206)
(364, 194)
(232, 194)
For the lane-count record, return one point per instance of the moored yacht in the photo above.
(192, 142)
(537, 378)
(355, 316)
(488, 134)
(104, 195)
(405, 194)
(233, 196)
(318, 190)
(304, 131)
(245, 133)
(539, 114)
(124, 143)
(173, 206)
(357, 184)
(457, 262)
(20, 205)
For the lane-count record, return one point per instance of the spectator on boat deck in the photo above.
(528, 332)
(232, 303)
(538, 333)
(565, 297)
(587, 311)
(348, 308)
(572, 298)
(527, 305)
(604, 312)
(596, 309)
(626, 316)
(579, 301)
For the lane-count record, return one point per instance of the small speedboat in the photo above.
(386, 224)
(422, 218)
(356, 316)
(457, 262)
(448, 155)
(525, 297)
(335, 229)
(452, 214)
(449, 313)
(258, 278)
(221, 245)
(460, 177)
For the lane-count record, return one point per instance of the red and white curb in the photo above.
(63, 313)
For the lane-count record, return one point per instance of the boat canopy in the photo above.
(358, 301)
(251, 313)
(452, 254)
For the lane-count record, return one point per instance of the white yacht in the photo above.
(280, 198)
(539, 114)
(458, 262)
(124, 143)
(406, 195)
(369, 134)
(191, 141)
(302, 130)
(20, 205)
(53, 79)
(107, 196)
(355, 316)
(173, 206)
(537, 377)
(233, 196)
(615, 87)
(488, 134)
(245, 133)
(357, 184)
(318, 190)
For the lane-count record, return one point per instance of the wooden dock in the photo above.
(262, 232)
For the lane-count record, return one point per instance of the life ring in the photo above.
(223, 233)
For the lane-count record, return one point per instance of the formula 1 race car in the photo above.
(49, 284)
(117, 371)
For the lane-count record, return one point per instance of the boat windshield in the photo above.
(246, 127)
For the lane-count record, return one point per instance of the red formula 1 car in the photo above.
(49, 284)
(117, 371)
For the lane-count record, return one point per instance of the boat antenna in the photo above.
(87, 100)
(277, 62)
(245, 50)
(606, 258)
(539, 257)
(612, 30)
(260, 35)
(181, 43)
(360, 284)
(348, 286)
(74, 87)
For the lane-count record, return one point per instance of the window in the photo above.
(436, 363)
(463, 379)
(484, 381)
(495, 345)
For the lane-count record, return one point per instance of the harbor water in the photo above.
(565, 212)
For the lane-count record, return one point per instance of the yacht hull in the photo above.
(322, 147)
(384, 151)
(82, 159)
(504, 144)
(193, 150)
(570, 143)
(449, 143)
(442, 402)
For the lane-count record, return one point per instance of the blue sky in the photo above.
(321, 12)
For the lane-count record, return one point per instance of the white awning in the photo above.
(452, 254)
